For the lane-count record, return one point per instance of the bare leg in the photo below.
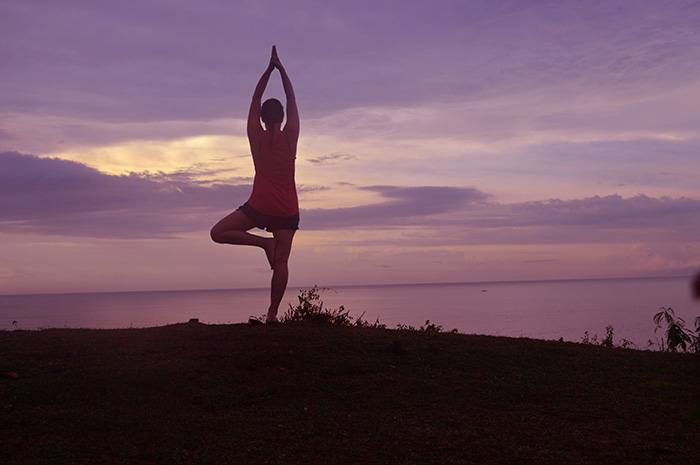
(233, 229)
(280, 274)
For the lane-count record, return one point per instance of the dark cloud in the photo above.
(60, 197)
(404, 206)
(589, 220)
(303, 188)
(611, 211)
(466, 216)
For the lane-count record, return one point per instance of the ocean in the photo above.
(564, 309)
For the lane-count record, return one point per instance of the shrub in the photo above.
(310, 308)
(428, 327)
(677, 337)
(607, 341)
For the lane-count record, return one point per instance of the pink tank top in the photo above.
(274, 189)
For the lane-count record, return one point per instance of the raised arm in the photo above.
(291, 127)
(254, 127)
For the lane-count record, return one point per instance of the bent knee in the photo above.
(215, 235)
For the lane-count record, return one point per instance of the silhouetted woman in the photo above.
(273, 204)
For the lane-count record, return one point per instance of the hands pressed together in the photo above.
(275, 60)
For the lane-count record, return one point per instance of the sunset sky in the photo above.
(441, 141)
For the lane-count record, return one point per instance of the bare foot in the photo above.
(269, 247)
(271, 318)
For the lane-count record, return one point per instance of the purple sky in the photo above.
(441, 140)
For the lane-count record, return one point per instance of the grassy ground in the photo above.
(320, 394)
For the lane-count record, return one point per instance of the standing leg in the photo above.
(233, 229)
(280, 273)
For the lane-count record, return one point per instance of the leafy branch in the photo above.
(677, 336)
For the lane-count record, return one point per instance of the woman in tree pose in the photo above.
(273, 204)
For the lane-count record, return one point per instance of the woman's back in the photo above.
(274, 189)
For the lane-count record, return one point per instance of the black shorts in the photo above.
(270, 222)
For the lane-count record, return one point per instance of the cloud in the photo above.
(404, 206)
(609, 219)
(174, 60)
(59, 197)
(332, 159)
(611, 211)
(139, 60)
(4, 135)
(50, 196)
(444, 216)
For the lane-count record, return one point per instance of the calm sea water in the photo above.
(542, 309)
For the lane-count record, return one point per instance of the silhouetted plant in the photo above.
(310, 308)
(626, 344)
(591, 340)
(607, 341)
(359, 322)
(677, 337)
(428, 327)
(586, 339)
(431, 327)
